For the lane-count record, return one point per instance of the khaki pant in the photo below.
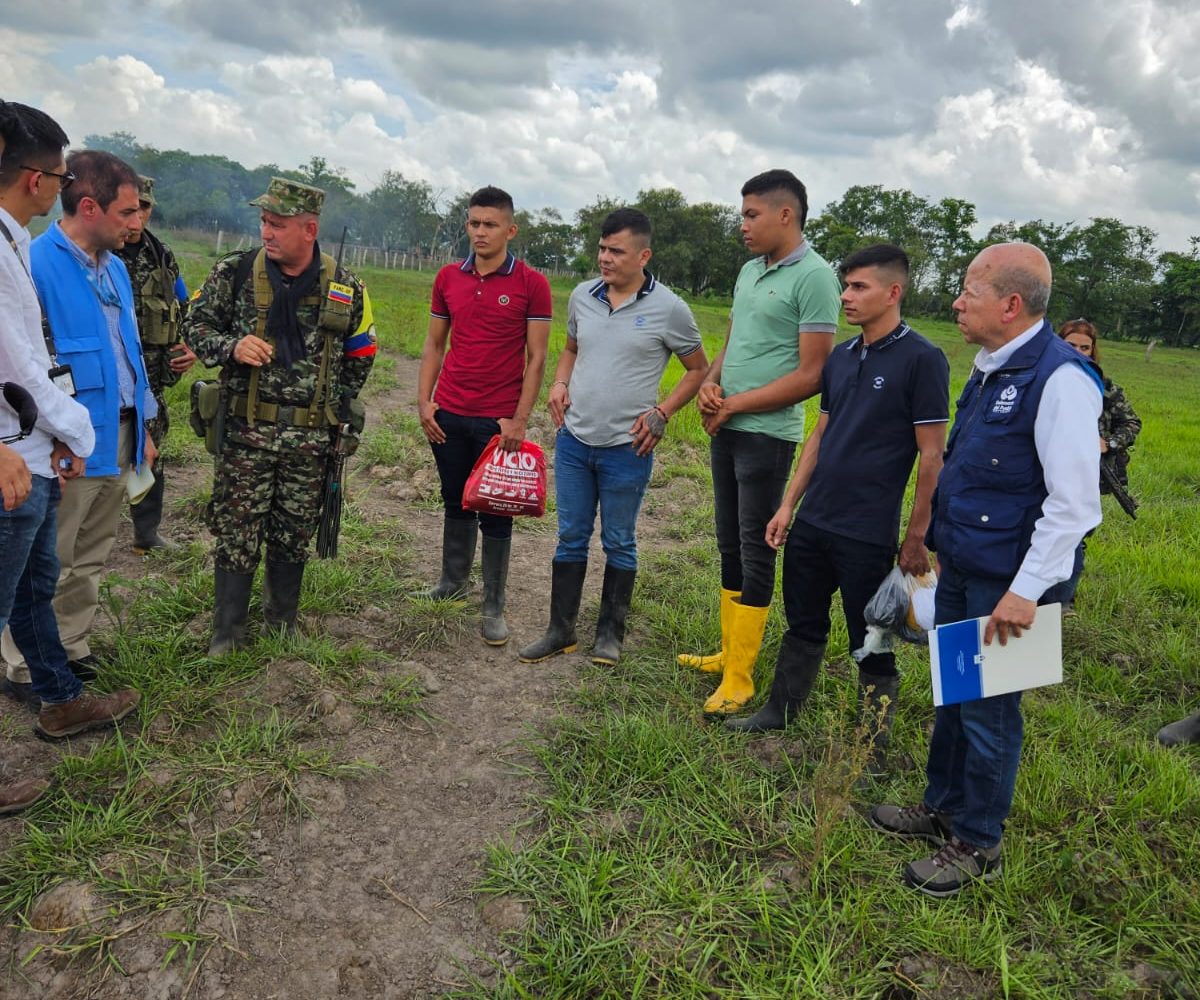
(87, 528)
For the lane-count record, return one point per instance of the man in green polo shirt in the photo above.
(785, 311)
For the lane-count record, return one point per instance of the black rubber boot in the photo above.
(796, 670)
(614, 610)
(1182, 732)
(281, 595)
(877, 694)
(231, 603)
(493, 627)
(147, 516)
(566, 589)
(458, 553)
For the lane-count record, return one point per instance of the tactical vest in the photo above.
(991, 490)
(161, 313)
(334, 323)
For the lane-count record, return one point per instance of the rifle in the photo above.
(334, 495)
(1109, 478)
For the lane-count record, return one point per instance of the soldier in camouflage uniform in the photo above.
(160, 301)
(296, 341)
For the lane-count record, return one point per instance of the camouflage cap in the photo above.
(286, 197)
(146, 190)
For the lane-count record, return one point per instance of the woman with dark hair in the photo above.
(1119, 427)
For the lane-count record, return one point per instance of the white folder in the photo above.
(964, 669)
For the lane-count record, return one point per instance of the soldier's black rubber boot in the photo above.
(147, 516)
(1182, 732)
(493, 627)
(458, 553)
(230, 605)
(877, 694)
(281, 594)
(614, 610)
(566, 589)
(796, 669)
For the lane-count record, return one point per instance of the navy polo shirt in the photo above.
(874, 396)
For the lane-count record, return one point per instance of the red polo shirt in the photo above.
(488, 313)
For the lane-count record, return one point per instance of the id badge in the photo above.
(61, 376)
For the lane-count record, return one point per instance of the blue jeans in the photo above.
(616, 479)
(976, 746)
(28, 579)
(466, 439)
(749, 473)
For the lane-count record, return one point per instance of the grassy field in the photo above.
(666, 857)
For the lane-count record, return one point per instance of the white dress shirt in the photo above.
(25, 360)
(1064, 435)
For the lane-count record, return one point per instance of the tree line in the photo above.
(1106, 270)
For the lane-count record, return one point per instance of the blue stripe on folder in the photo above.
(960, 661)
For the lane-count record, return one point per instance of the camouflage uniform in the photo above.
(269, 478)
(1119, 426)
(149, 261)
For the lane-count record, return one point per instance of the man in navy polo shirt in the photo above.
(884, 401)
(495, 311)
(621, 332)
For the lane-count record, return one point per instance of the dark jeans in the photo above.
(749, 472)
(28, 579)
(976, 746)
(816, 563)
(466, 438)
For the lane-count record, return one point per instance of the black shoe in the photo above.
(796, 670)
(614, 611)
(281, 594)
(493, 627)
(566, 590)
(458, 553)
(22, 694)
(231, 603)
(1181, 733)
(85, 667)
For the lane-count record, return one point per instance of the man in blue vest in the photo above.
(1018, 491)
(88, 299)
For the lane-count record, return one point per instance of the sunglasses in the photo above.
(65, 180)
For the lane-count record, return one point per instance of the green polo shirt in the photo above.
(772, 306)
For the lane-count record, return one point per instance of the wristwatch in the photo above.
(1112, 444)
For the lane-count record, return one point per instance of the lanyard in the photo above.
(47, 333)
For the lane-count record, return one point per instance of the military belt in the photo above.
(279, 413)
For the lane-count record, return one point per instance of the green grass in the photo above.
(665, 857)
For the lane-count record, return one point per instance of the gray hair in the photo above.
(1015, 280)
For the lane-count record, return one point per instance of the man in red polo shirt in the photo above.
(495, 312)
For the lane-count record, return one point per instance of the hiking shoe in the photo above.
(88, 711)
(22, 693)
(85, 667)
(21, 794)
(955, 866)
(917, 822)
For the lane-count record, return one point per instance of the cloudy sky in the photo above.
(1054, 109)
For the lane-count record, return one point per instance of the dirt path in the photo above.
(370, 894)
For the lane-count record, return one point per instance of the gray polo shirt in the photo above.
(622, 353)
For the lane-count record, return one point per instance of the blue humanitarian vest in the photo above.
(992, 487)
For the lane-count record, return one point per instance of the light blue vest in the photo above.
(82, 341)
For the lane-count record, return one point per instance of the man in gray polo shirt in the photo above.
(621, 332)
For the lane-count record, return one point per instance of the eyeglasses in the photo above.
(65, 180)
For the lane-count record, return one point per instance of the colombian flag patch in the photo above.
(341, 293)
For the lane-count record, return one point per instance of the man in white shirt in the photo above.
(32, 173)
(1018, 491)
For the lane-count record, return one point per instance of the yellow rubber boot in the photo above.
(713, 662)
(745, 640)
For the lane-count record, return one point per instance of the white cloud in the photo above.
(1058, 115)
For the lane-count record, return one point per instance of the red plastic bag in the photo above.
(508, 483)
